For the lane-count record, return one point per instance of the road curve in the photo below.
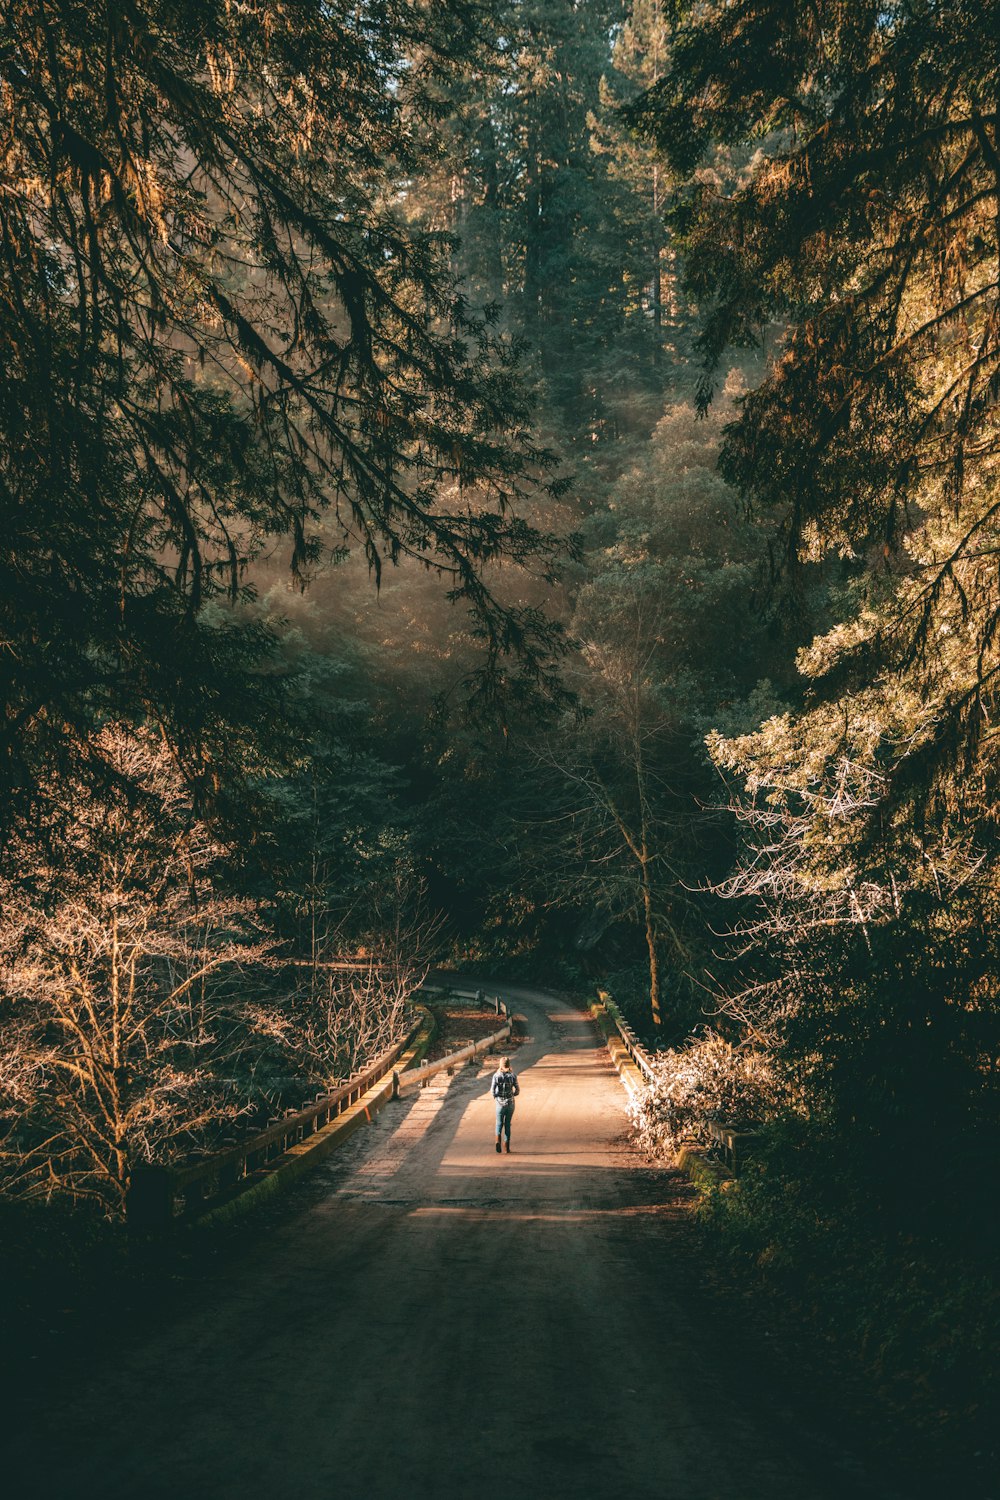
(426, 1318)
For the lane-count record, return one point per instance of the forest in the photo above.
(514, 485)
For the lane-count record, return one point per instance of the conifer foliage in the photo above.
(863, 245)
(868, 225)
(557, 215)
(215, 325)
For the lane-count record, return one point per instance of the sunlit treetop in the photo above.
(866, 229)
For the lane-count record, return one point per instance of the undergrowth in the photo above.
(919, 1307)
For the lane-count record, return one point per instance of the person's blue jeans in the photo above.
(505, 1113)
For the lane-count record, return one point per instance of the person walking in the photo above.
(505, 1090)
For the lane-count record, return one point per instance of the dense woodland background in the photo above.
(514, 485)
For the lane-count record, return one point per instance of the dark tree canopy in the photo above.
(557, 218)
(214, 326)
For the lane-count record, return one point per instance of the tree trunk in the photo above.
(654, 961)
(493, 265)
(657, 287)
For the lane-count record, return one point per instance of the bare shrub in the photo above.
(331, 1028)
(710, 1079)
(121, 987)
(353, 1003)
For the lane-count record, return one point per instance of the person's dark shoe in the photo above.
(506, 1148)
(498, 1146)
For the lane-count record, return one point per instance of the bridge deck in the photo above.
(426, 1318)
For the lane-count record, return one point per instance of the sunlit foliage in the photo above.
(868, 225)
(122, 987)
(863, 250)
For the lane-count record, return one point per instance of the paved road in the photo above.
(426, 1318)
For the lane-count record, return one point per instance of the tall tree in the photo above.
(870, 226)
(670, 642)
(547, 221)
(640, 57)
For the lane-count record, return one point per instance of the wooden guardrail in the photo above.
(464, 993)
(635, 1066)
(417, 1077)
(733, 1145)
(631, 1042)
(159, 1194)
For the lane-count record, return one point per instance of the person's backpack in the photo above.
(505, 1087)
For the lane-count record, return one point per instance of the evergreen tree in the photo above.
(549, 221)
(640, 56)
(869, 225)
